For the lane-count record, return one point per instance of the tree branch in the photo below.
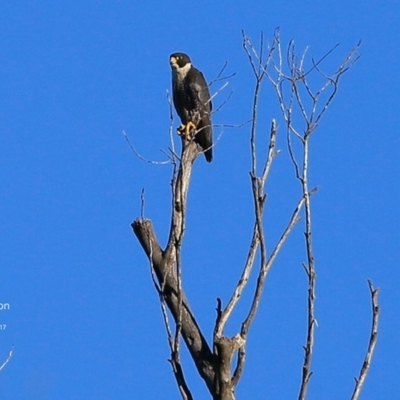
(371, 345)
(175, 361)
(7, 360)
(307, 104)
(254, 242)
(164, 263)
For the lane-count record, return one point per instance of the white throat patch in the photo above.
(181, 73)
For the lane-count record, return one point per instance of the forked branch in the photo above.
(302, 108)
(258, 241)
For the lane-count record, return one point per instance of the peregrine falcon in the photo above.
(192, 102)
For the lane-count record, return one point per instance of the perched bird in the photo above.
(192, 102)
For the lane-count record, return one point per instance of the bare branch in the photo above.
(178, 328)
(142, 203)
(307, 102)
(191, 333)
(371, 345)
(310, 268)
(260, 286)
(240, 285)
(291, 152)
(164, 263)
(271, 152)
(140, 156)
(180, 379)
(247, 45)
(254, 243)
(266, 267)
(7, 360)
(315, 64)
(223, 103)
(175, 362)
(231, 125)
(171, 130)
(220, 77)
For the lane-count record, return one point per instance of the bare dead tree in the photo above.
(302, 108)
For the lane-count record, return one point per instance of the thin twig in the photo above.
(140, 156)
(231, 125)
(171, 128)
(371, 345)
(7, 360)
(220, 77)
(217, 92)
(219, 108)
(142, 204)
(315, 64)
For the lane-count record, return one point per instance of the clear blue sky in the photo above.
(84, 316)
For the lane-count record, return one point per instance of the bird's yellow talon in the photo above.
(189, 129)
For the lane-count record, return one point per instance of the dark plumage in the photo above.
(192, 102)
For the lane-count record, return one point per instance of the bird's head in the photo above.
(180, 63)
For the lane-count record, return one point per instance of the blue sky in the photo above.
(84, 317)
